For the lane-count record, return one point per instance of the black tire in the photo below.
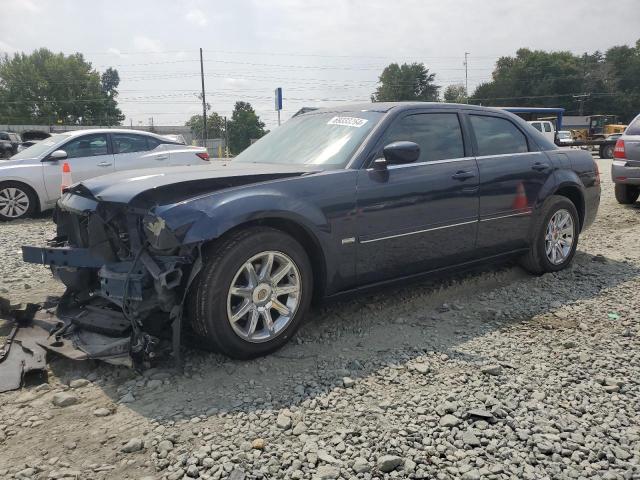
(626, 194)
(607, 151)
(207, 303)
(536, 261)
(28, 192)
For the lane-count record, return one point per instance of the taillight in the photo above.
(203, 155)
(597, 172)
(618, 151)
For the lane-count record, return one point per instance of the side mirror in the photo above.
(398, 153)
(56, 155)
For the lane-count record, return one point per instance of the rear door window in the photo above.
(634, 127)
(87, 146)
(152, 143)
(129, 143)
(547, 127)
(438, 134)
(497, 136)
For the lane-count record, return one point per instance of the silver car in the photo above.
(625, 170)
(31, 180)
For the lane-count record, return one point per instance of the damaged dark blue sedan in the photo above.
(333, 201)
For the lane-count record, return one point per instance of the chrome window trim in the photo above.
(508, 155)
(421, 164)
(417, 231)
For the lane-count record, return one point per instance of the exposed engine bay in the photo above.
(126, 279)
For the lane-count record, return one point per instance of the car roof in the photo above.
(75, 133)
(384, 107)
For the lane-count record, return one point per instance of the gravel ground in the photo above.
(496, 374)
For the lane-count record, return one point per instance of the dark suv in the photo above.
(333, 201)
(9, 142)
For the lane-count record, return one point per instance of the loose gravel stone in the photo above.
(449, 421)
(327, 472)
(492, 370)
(388, 463)
(79, 383)
(65, 399)
(133, 445)
(361, 465)
(283, 421)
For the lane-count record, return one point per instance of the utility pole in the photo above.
(204, 105)
(581, 99)
(226, 139)
(466, 77)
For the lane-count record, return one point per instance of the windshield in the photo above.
(34, 151)
(327, 139)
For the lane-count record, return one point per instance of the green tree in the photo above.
(623, 66)
(533, 78)
(44, 88)
(245, 125)
(455, 94)
(215, 126)
(610, 81)
(406, 82)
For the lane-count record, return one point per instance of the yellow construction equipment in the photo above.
(600, 127)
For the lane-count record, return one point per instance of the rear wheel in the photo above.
(626, 194)
(607, 151)
(555, 237)
(253, 292)
(16, 201)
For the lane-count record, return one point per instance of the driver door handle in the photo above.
(463, 175)
(104, 164)
(162, 157)
(539, 166)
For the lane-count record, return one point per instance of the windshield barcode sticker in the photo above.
(347, 121)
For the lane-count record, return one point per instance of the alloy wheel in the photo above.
(264, 296)
(559, 237)
(14, 202)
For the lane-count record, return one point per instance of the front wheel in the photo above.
(626, 194)
(254, 290)
(16, 201)
(555, 237)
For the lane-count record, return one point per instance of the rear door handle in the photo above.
(104, 164)
(463, 175)
(540, 166)
(163, 157)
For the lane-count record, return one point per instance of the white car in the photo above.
(31, 180)
(545, 127)
(564, 137)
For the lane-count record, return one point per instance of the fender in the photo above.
(306, 202)
(214, 219)
(563, 177)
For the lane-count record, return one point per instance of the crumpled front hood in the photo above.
(171, 184)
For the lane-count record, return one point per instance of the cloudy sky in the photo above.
(321, 52)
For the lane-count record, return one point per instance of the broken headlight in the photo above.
(158, 233)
